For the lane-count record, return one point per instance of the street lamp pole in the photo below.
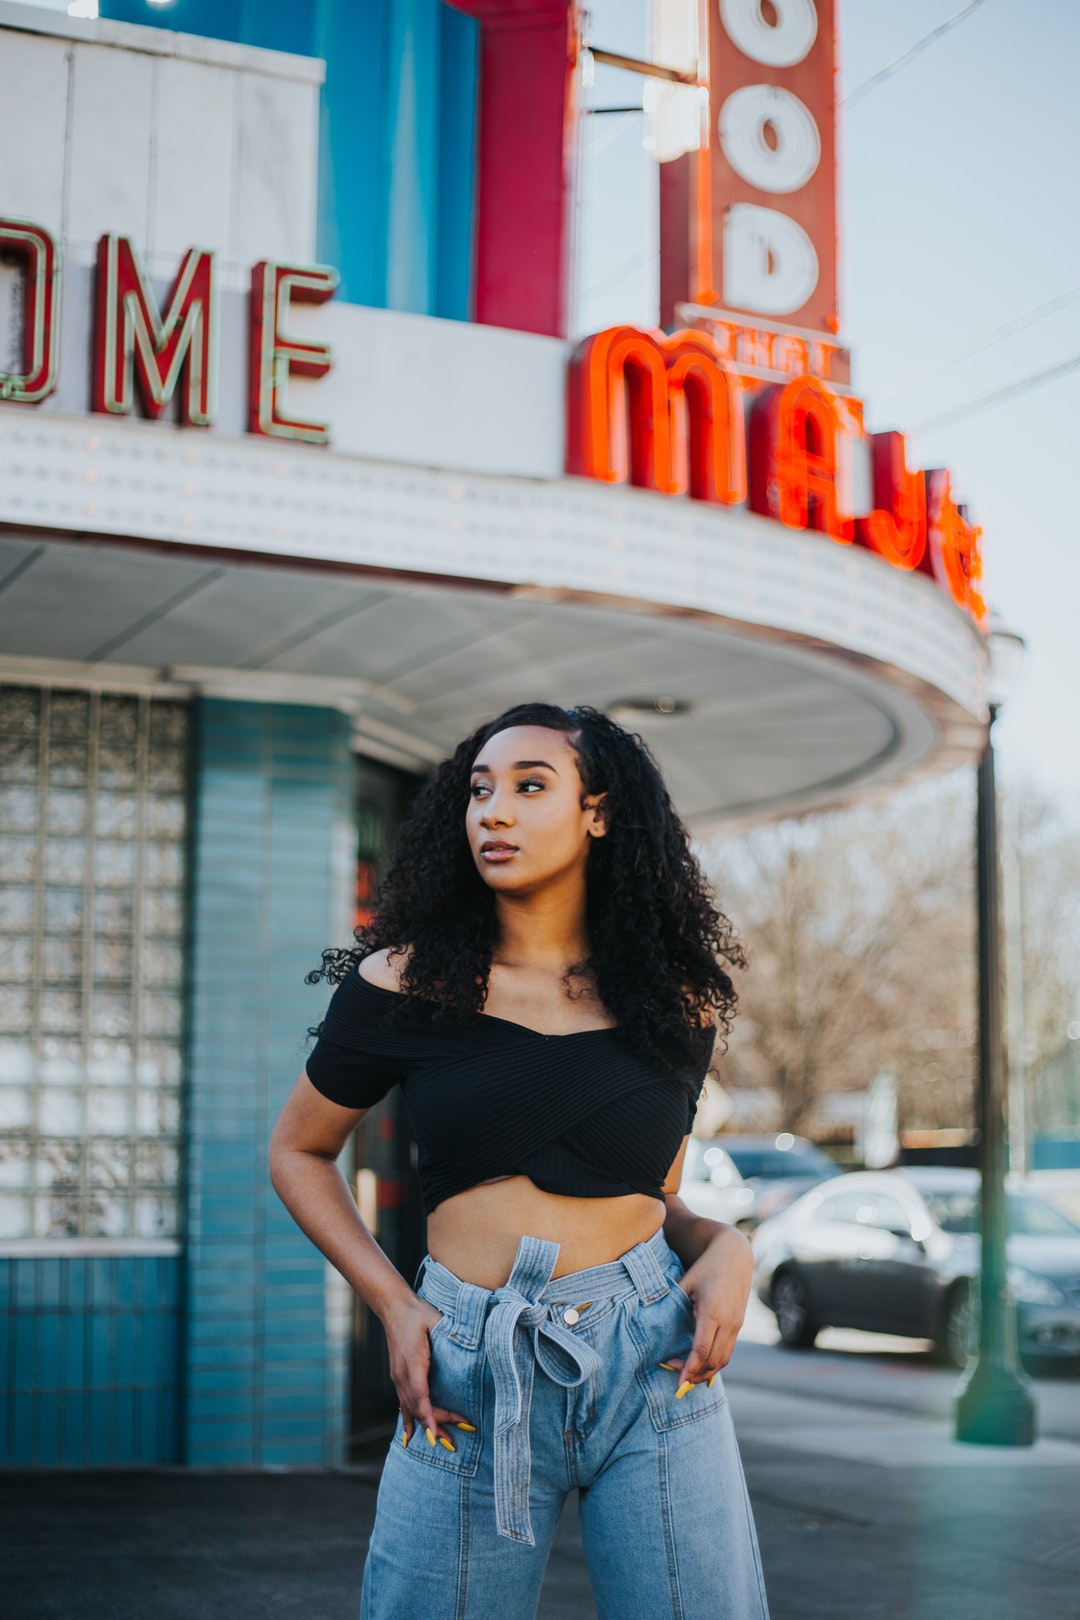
(994, 1405)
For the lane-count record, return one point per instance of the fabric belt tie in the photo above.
(519, 1326)
(514, 1324)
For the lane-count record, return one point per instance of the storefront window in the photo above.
(92, 838)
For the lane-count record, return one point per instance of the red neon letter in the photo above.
(706, 390)
(273, 354)
(619, 423)
(135, 343)
(41, 312)
(896, 528)
(953, 551)
(795, 459)
(665, 413)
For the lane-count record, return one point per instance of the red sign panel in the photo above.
(772, 159)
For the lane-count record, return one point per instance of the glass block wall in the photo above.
(92, 840)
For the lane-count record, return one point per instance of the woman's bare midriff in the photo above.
(476, 1234)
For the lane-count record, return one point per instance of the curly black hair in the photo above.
(660, 950)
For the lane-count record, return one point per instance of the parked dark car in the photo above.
(897, 1251)
(777, 1168)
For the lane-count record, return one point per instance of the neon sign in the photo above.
(672, 414)
(140, 352)
(36, 252)
(134, 344)
(772, 169)
(272, 354)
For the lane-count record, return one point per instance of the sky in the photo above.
(958, 213)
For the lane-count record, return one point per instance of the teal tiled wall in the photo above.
(88, 1360)
(266, 1324)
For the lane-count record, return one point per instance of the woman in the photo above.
(543, 977)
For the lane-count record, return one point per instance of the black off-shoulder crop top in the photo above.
(580, 1114)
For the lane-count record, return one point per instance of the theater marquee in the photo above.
(719, 412)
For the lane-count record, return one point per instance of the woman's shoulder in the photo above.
(385, 969)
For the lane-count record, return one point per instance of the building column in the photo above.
(266, 1329)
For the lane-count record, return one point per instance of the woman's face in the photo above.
(529, 821)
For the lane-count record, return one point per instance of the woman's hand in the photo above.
(718, 1284)
(408, 1326)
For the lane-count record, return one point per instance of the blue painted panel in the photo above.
(24, 1288)
(47, 1349)
(22, 1372)
(47, 1441)
(397, 138)
(99, 1371)
(70, 1406)
(73, 1352)
(50, 1290)
(458, 92)
(216, 19)
(412, 124)
(86, 1338)
(122, 1438)
(97, 1449)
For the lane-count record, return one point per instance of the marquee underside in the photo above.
(773, 724)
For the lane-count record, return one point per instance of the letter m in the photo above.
(665, 413)
(135, 345)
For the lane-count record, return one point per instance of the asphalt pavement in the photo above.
(866, 1507)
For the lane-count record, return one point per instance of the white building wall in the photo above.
(174, 140)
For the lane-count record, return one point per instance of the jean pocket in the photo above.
(455, 1382)
(665, 1331)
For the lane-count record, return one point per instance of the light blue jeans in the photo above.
(563, 1382)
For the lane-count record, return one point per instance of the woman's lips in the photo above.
(495, 853)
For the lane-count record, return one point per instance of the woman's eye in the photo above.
(530, 783)
(479, 790)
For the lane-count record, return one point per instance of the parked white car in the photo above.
(712, 1185)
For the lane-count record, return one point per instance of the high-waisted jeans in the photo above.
(563, 1383)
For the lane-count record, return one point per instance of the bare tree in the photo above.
(860, 926)
(1046, 847)
(859, 930)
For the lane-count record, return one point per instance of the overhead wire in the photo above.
(909, 55)
(982, 340)
(998, 396)
(952, 357)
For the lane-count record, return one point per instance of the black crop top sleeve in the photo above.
(582, 1114)
(355, 1061)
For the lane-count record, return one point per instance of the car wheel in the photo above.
(791, 1307)
(960, 1326)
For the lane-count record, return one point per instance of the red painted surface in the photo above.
(525, 161)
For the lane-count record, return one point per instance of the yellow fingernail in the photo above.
(667, 1365)
(712, 1380)
(430, 1437)
(682, 1389)
(443, 1441)
(405, 1440)
(470, 1428)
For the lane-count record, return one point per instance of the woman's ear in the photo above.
(598, 823)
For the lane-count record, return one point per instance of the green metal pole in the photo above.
(994, 1405)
